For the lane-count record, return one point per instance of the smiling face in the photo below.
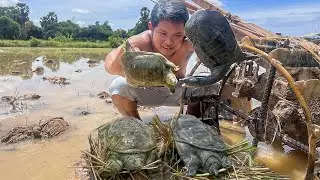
(167, 37)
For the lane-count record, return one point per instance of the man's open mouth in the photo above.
(168, 48)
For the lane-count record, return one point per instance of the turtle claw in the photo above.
(172, 65)
(191, 171)
(194, 81)
(190, 81)
(249, 56)
(213, 169)
(191, 167)
(216, 75)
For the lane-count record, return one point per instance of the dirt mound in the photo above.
(47, 128)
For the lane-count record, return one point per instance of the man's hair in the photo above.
(170, 10)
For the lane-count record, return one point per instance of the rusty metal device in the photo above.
(287, 72)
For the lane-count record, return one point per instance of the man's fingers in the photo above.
(136, 49)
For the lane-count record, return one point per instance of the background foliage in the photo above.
(15, 25)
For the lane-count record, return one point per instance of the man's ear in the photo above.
(150, 26)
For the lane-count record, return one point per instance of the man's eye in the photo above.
(162, 33)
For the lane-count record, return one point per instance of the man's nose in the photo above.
(169, 41)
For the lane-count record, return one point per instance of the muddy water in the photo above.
(54, 158)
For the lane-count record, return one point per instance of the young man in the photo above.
(166, 35)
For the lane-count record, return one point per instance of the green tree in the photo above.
(9, 29)
(49, 24)
(120, 33)
(51, 19)
(11, 12)
(142, 23)
(23, 13)
(33, 30)
(115, 41)
(67, 29)
(95, 32)
(20, 14)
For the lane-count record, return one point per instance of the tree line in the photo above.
(16, 25)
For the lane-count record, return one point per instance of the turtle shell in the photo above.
(212, 38)
(192, 131)
(144, 69)
(127, 135)
(199, 146)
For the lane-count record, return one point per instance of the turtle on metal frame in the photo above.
(215, 45)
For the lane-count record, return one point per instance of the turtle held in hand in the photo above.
(215, 45)
(199, 146)
(130, 144)
(143, 69)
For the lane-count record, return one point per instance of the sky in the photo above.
(289, 17)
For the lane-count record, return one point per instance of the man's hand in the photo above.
(135, 49)
(128, 47)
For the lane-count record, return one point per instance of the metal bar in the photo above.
(213, 99)
(260, 123)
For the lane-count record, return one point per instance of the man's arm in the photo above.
(112, 64)
(138, 42)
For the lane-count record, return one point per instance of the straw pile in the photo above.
(170, 166)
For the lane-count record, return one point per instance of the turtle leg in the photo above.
(191, 164)
(154, 173)
(172, 65)
(216, 75)
(213, 161)
(114, 166)
(133, 161)
(213, 169)
(212, 164)
(152, 156)
(189, 156)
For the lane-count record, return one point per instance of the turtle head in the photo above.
(171, 81)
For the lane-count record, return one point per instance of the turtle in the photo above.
(199, 146)
(215, 45)
(144, 69)
(130, 143)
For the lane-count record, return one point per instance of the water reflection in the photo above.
(277, 156)
(24, 74)
(18, 61)
(54, 65)
(16, 67)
